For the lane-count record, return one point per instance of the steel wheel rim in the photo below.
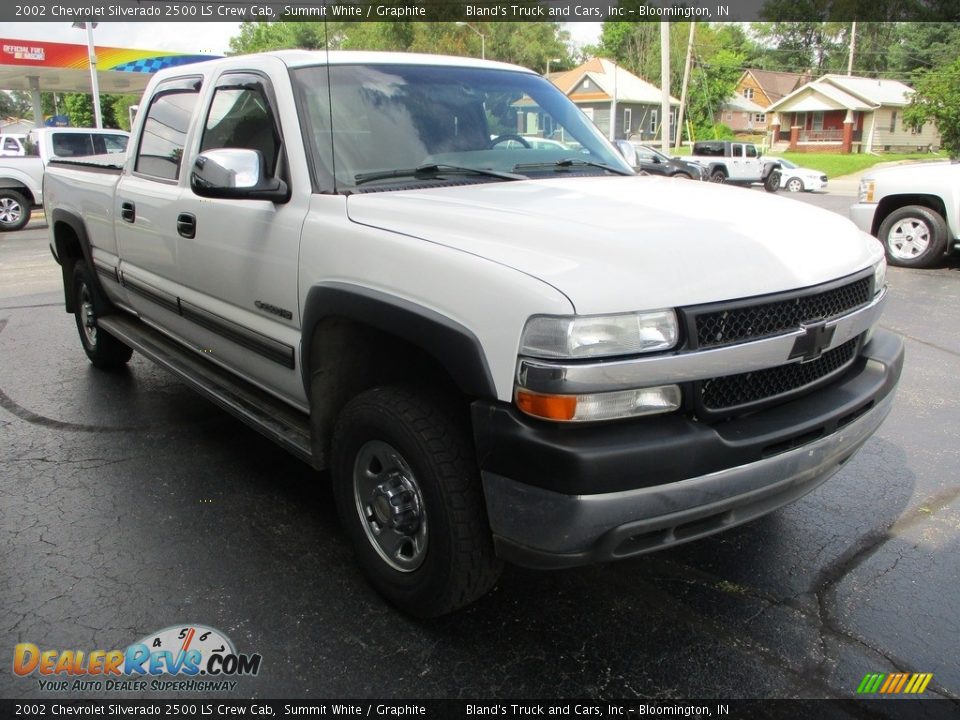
(10, 211)
(794, 185)
(908, 238)
(390, 506)
(88, 317)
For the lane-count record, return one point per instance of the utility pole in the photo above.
(92, 55)
(686, 80)
(665, 87)
(853, 47)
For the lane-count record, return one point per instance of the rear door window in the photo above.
(164, 135)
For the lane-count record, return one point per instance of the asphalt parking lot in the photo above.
(128, 504)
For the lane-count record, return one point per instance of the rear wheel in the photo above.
(104, 350)
(14, 210)
(772, 183)
(914, 236)
(408, 494)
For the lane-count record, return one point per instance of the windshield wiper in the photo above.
(432, 170)
(570, 162)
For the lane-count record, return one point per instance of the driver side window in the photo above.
(241, 117)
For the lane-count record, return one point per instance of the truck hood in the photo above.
(612, 244)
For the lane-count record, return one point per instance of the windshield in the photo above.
(395, 126)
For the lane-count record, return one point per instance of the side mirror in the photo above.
(628, 151)
(235, 174)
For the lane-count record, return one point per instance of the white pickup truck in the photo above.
(21, 178)
(914, 210)
(499, 352)
(737, 163)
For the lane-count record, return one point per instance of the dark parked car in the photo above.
(656, 163)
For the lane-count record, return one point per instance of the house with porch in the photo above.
(848, 114)
(601, 89)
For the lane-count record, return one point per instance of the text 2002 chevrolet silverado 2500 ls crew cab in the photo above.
(499, 352)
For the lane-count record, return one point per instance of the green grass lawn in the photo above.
(835, 165)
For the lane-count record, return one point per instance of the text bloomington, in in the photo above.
(364, 11)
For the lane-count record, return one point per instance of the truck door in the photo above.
(239, 257)
(146, 203)
(737, 163)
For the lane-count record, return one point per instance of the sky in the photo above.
(189, 37)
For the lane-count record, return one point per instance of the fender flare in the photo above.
(79, 228)
(451, 344)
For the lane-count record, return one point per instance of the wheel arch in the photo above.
(355, 338)
(71, 243)
(20, 187)
(892, 203)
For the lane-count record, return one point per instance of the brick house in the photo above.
(746, 110)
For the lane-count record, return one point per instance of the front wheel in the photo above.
(795, 184)
(914, 236)
(14, 211)
(718, 176)
(103, 349)
(408, 494)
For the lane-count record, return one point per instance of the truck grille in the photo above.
(727, 326)
(732, 392)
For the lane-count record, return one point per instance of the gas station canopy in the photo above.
(63, 67)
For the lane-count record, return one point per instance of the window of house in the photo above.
(627, 120)
(729, 117)
(818, 120)
(586, 84)
(165, 133)
(893, 121)
(760, 118)
(654, 121)
(748, 93)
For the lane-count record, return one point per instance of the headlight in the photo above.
(593, 336)
(879, 276)
(868, 189)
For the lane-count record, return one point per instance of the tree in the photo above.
(527, 44)
(119, 106)
(937, 99)
(79, 108)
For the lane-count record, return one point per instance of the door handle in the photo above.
(128, 212)
(187, 225)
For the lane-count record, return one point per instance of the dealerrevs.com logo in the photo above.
(183, 658)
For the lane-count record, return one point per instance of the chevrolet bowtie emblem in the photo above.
(815, 339)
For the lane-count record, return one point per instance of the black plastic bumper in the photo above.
(562, 495)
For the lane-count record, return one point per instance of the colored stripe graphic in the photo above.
(894, 683)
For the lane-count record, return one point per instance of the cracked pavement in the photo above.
(129, 504)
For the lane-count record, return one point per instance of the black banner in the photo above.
(481, 10)
(913, 709)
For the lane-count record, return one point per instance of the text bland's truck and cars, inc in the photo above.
(500, 352)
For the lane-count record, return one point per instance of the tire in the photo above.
(795, 184)
(14, 210)
(683, 176)
(914, 236)
(772, 182)
(718, 176)
(103, 349)
(408, 494)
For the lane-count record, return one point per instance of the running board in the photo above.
(266, 414)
